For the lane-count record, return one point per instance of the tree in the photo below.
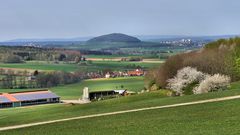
(62, 57)
(7, 82)
(77, 59)
(213, 83)
(184, 77)
(12, 59)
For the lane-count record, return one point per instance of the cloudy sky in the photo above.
(80, 18)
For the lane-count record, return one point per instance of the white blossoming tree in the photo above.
(184, 77)
(213, 83)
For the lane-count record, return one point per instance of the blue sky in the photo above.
(80, 18)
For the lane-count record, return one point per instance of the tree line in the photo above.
(10, 80)
(18, 54)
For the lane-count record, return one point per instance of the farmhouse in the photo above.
(137, 72)
(17, 99)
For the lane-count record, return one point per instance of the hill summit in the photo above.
(115, 37)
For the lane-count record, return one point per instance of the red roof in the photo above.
(10, 97)
(26, 95)
(136, 72)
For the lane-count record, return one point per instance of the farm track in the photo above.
(120, 112)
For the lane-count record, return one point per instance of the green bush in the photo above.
(12, 59)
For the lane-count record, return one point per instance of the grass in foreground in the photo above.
(32, 114)
(219, 118)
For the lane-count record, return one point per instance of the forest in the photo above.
(19, 54)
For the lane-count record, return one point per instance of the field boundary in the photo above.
(120, 112)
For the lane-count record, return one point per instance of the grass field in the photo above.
(95, 66)
(147, 56)
(74, 91)
(15, 116)
(220, 118)
(209, 118)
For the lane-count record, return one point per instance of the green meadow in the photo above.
(219, 118)
(93, 66)
(192, 119)
(74, 91)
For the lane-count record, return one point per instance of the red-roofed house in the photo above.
(137, 72)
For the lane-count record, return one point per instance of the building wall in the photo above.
(16, 104)
(27, 103)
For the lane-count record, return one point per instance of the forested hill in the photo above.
(115, 37)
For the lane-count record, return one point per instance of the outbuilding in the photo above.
(96, 95)
(26, 98)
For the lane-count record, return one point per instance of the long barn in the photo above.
(17, 99)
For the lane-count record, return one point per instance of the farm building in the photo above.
(17, 99)
(95, 95)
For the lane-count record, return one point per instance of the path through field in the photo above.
(120, 112)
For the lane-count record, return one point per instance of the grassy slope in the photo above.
(218, 118)
(146, 56)
(95, 66)
(41, 66)
(74, 91)
(16, 116)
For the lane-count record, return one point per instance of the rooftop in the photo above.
(26, 96)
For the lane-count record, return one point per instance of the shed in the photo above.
(26, 98)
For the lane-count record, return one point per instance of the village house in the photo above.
(137, 72)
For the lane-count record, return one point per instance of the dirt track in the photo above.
(119, 112)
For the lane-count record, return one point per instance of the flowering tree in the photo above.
(184, 77)
(213, 83)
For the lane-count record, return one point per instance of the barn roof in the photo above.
(3, 99)
(26, 96)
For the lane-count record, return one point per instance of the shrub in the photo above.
(154, 87)
(12, 59)
(135, 59)
(184, 77)
(188, 90)
(212, 83)
(237, 65)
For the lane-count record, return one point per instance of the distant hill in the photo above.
(115, 37)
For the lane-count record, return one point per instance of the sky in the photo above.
(83, 18)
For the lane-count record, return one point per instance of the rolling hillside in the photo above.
(192, 119)
(218, 118)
